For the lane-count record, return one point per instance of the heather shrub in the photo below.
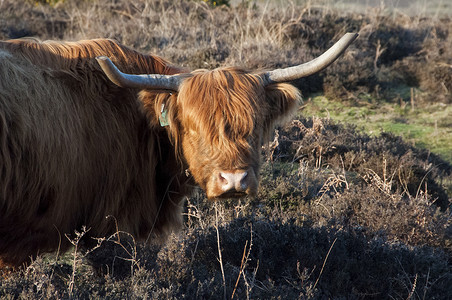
(262, 259)
(321, 142)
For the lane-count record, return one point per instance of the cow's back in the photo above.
(74, 149)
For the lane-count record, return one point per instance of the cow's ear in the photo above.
(159, 107)
(283, 99)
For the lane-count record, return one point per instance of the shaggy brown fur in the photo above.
(75, 149)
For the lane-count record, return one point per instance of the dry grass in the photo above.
(393, 51)
(339, 215)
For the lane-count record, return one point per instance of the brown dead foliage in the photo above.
(393, 51)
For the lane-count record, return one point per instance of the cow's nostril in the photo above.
(222, 179)
(244, 181)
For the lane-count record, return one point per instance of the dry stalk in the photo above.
(412, 98)
(75, 241)
(241, 269)
(220, 259)
(383, 184)
(57, 254)
(334, 182)
(130, 249)
(193, 213)
(378, 52)
(324, 263)
(412, 289)
(116, 239)
(244, 262)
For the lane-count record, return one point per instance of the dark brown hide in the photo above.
(74, 149)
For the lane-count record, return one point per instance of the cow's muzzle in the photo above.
(234, 184)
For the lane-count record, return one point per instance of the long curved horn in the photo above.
(144, 81)
(313, 66)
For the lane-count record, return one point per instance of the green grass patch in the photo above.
(426, 127)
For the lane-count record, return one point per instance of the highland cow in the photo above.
(83, 144)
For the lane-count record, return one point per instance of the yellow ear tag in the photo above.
(163, 117)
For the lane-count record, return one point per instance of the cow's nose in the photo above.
(229, 181)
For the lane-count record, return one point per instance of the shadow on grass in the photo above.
(262, 260)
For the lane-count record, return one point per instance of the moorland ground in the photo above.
(355, 192)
